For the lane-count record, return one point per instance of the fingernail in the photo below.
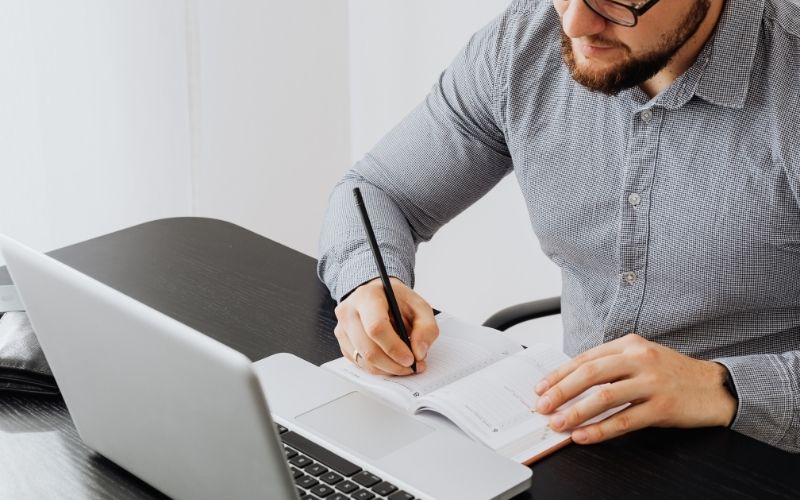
(542, 386)
(423, 350)
(407, 360)
(543, 404)
(580, 436)
(557, 422)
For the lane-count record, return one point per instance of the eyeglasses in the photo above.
(620, 12)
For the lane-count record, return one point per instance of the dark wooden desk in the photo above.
(260, 298)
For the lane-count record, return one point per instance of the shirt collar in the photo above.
(731, 51)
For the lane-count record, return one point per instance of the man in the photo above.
(657, 145)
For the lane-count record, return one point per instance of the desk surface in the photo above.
(260, 298)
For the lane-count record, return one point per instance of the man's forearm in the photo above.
(442, 157)
(345, 260)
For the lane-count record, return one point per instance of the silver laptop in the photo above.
(189, 415)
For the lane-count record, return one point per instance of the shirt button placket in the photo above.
(633, 239)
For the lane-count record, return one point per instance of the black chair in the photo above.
(506, 318)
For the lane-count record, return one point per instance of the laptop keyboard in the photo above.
(322, 474)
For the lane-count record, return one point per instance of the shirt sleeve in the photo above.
(445, 155)
(768, 386)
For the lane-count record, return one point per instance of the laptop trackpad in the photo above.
(364, 425)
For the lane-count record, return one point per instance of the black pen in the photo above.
(399, 326)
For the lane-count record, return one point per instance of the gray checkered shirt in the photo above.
(676, 217)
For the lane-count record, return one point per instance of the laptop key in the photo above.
(290, 453)
(347, 486)
(322, 490)
(366, 479)
(363, 495)
(301, 461)
(296, 472)
(320, 454)
(306, 482)
(400, 495)
(384, 488)
(316, 469)
(331, 478)
(338, 496)
(281, 429)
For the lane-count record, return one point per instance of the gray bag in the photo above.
(23, 366)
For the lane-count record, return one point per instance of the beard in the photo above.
(633, 71)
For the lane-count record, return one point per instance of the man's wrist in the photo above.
(344, 297)
(728, 400)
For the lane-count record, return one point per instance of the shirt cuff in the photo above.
(361, 268)
(767, 398)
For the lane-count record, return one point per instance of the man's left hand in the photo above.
(664, 388)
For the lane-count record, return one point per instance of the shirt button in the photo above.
(647, 116)
(634, 199)
(629, 277)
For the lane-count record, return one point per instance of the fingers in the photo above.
(633, 418)
(424, 330)
(348, 351)
(377, 326)
(365, 325)
(604, 398)
(562, 371)
(373, 355)
(590, 373)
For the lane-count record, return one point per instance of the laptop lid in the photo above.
(169, 404)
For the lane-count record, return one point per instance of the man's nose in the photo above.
(578, 20)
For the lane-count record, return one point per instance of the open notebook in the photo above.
(483, 382)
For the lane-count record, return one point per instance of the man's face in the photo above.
(609, 58)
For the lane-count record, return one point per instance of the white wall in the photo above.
(270, 113)
(94, 124)
(488, 257)
(116, 113)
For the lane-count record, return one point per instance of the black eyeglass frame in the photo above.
(637, 10)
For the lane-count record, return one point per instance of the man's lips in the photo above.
(589, 49)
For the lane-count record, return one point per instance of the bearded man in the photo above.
(657, 146)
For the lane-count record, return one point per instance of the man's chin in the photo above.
(595, 70)
(595, 67)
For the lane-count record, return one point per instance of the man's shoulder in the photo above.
(521, 6)
(530, 13)
(783, 17)
(527, 29)
(529, 22)
(780, 80)
(782, 50)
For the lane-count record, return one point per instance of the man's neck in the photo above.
(687, 54)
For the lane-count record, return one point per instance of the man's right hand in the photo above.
(364, 326)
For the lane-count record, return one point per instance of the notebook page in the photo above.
(460, 350)
(495, 405)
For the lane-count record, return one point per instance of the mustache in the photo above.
(601, 41)
(597, 40)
